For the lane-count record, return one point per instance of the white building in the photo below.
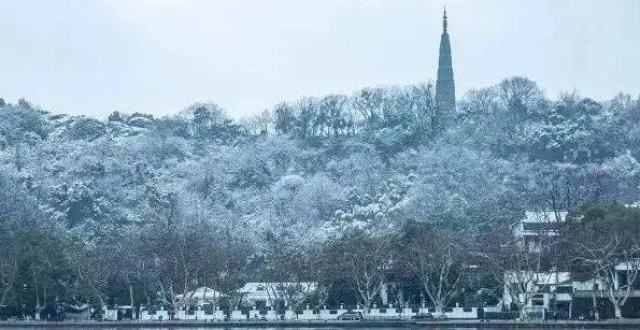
(548, 290)
(537, 291)
(536, 226)
(266, 294)
(200, 296)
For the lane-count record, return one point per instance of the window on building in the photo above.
(564, 289)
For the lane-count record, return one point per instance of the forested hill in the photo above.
(312, 168)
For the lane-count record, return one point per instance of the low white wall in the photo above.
(254, 314)
(272, 315)
(408, 312)
(184, 315)
(110, 314)
(492, 309)
(218, 315)
(160, 315)
(308, 314)
(329, 314)
(460, 313)
(289, 314)
(237, 315)
(200, 314)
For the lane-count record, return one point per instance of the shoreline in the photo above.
(607, 324)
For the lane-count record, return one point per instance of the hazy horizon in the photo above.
(94, 57)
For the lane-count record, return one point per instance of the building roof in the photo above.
(251, 287)
(633, 264)
(202, 293)
(544, 217)
(535, 223)
(542, 278)
(539, 226)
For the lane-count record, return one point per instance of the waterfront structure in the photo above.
(269, 294)
(539, 291)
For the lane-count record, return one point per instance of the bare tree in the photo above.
(288, 272)
(606, 263)
(605, 240)
(519, 268)
(364, 259)
(8, 274)
(437, 258)
(90, 273)
(368, 103)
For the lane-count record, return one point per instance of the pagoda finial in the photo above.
(444, 20)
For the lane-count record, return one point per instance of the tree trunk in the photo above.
(101, 302)
(131, 301)
(596, 313)
(44, 295)
(618, 311)
(37, 292)
(521, 309)
(5, 293)
(617, 303)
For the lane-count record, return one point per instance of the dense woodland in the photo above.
(351, 191)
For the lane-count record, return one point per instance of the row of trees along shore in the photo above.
(419, 263)
(352, 192)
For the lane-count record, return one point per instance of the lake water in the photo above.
(168, 327)
(263, 328)
(236, 328)
(246, 328)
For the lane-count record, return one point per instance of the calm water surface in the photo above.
(262, 328)
(236, 328)
(3, 327)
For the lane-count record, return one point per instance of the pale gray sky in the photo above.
(158, 56)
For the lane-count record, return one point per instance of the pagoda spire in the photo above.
(445, 85)
(444, 20)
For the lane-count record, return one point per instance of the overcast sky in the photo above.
(158, 56)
